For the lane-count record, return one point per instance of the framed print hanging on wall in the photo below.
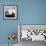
(10, 12)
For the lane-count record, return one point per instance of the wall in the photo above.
(33, 11)
(29, 12)
(7, 26)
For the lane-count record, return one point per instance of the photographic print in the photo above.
(32, 32)
(10, 12)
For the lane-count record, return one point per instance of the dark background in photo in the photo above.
(9, 15)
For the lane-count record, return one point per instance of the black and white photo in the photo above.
(10, 12)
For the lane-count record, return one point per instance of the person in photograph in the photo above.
(10, 13)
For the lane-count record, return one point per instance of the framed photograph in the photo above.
(33, 32)
(10, 12)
